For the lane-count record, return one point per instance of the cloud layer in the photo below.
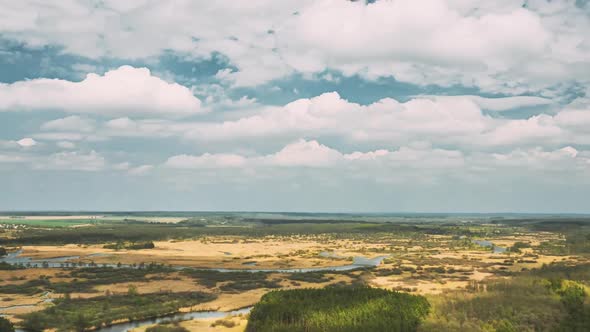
(501, 46)
(425, 165)
(335, 103)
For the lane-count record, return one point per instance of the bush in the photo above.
(315, 277)
(7, 266)
(228, 323)
(235, 281)
(130, 246)
(81, 314)
(6, 325)
(523, 303)
(166, 328)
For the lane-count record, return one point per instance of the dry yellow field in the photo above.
(420, 264)
(209, 325)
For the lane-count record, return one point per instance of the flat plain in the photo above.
(221, 263)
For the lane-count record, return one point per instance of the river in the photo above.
(124, 327)
(15, 258)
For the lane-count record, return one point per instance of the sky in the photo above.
(295, 105)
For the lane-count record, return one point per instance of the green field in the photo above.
(50, 222)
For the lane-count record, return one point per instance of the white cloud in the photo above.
(328, 114)
(312, 154)
(499, 46)
(537, 159)
(126, 90)
(27, 142)
(447, 121)
(305, 153)
(410, 165)
(380, 40)
(536, 129)
(215, 96)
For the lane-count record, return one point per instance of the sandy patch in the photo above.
(211, 252)
(154, 286)
(205, 325)
(230, 301)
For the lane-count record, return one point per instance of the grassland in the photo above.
(47, 222)
(81, 314)
(430, 256)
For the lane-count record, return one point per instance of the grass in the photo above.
(83, 314)
(551, 298)
(49, 222)
(86, 279)
(234, 281)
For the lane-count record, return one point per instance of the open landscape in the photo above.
(220, 272)
(295, 166)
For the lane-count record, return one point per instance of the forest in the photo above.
(338, 309)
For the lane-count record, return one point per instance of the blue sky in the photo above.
(329, 105)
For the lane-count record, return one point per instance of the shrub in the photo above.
(228, 323)
(166, 328)
(6, 325)
(81, 314)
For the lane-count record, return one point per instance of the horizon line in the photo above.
(106, 211)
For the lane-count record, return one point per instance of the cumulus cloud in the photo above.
(126, 90)
(305, 153)
(406, 164)
(566, 159)
(328, 114)
(312, 154)
(444, 121)
(503, 46)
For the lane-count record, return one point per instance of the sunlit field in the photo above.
(212, 272)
